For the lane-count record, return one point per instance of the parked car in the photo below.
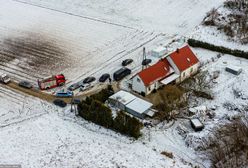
(85, 87)
(25, 84)
(67, 93)
(104, 77)
(127, 62)
(4, 78)
(121, 73)
(89, 79)
(74, 86)
(146, 61)
(59, 102)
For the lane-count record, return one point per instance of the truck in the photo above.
(52, 82)
(4, 78)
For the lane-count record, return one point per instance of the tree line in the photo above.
(93, 109)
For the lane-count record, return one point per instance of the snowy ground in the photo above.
(78, 39)
(38, 134)
(93, 38)
(213, 36)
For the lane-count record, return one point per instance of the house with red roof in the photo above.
(174, 67)
(184, 62)
(149, 79)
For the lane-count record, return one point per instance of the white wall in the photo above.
(153, 86)
(187, 73)
(138, 85)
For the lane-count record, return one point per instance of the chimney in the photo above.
(177, 50)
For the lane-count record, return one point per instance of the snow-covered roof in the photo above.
(170, 79)
(155, 72)
(123, 97)
(150, 113)
(138, 105)
(235, 68)
(132, 102)
(159, 49)
(197, 123)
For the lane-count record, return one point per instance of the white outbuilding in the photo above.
(130, 103)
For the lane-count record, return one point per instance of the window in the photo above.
(184, 74)
(138, 80)
(149, 88)
(191, 70)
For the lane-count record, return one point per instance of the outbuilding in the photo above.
(132, 104)
(196, 124)
(234, 69)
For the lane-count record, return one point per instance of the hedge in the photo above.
(92, 109)
(221, 49)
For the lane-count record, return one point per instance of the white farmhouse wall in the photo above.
(138, 85)
(153, 86)
(189, 72)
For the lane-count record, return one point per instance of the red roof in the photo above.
(184, 58)
(155, 72)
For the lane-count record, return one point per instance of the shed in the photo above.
(158, 52)
(128, 102)
(121, 99)
(234, 69)
(196, 124)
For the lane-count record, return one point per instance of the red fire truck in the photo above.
(52, 82)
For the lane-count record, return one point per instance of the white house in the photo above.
(174, 67)
(184, 62)
(149, 79)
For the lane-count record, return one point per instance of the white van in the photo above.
(4, 78)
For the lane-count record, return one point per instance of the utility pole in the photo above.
(144, 57)
(72, 101)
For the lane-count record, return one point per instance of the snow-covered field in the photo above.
(82, 38)
(213, 36)
(37, 134)
(78, 39)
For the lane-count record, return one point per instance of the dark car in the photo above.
(121, 73)
(25, 84)
(126, 62)
(74, 86)
(146, 61)
(89, 79)
(104, 77)
(59, 102)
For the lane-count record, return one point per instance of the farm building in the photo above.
(174, 67)
(158, 52)
(128, 102)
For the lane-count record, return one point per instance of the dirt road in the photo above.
(45, 96)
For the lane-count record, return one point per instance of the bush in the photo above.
(126, 124)
(104, 94)
(221, 49)
(203, 94)
(168, 154)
